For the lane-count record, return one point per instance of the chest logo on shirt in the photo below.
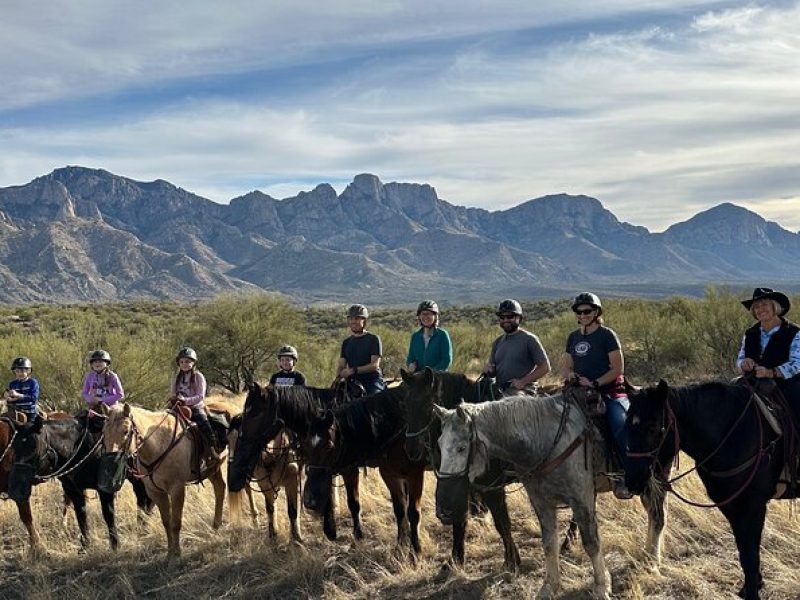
(582, 348)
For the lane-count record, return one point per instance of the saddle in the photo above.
(202, 445)
(346, 390)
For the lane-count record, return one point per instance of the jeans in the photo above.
(616, 412)
(372, 382)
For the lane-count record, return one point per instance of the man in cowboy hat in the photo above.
(771, 347)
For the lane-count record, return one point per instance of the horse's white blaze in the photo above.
(316, 440)
(455, 436)
(635, 420)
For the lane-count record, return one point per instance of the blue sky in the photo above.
(660, 109)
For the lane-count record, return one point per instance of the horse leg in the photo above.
(495, 501)
(65, 510)
(269, 503)
(107, 507)
(414, 488)
(291, 487)
(399, 503)
(78, 500)
(351, 482)
(176, 517)
(570, 537)
(26, 516)
(584, 513)
(252, 504)
(654, 500)
(218, 482)
(144, 505)
(164, 504)
(457, 554)
(748, 526)
(546, 513)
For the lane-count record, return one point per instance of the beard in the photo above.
(509, 326)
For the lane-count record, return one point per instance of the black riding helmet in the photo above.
(186, 352)
(21, 362)
(509, 306)
(100, 354)
(358, 310)
(588, 298)
(288, 351)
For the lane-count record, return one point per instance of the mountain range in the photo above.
(79, 234)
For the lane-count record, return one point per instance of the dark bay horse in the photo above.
(68, 450)
(367, 432)
(738, 456)
(267, 411)
(424, 388)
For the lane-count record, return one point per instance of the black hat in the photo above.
(763, 292)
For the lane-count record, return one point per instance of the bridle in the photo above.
(474, 442)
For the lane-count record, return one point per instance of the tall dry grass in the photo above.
(699, 557)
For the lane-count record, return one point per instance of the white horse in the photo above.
(551, 447)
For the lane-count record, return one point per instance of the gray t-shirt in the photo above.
(515, 355)
(590, 352)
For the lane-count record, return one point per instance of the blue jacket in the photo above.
(438, 355)
(30, 390)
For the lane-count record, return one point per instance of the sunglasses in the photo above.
(585, 311)
(507, 317)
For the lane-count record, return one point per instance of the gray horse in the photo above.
(556, 456)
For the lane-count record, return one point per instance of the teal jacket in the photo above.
(438, 355)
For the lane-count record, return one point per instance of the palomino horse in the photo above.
(68, 450)
(163, 456)
(424, 388)
(277, 468)
(555, 455)
(738, 455)
(367, 432)
(266, 412)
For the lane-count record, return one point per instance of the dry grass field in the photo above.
(699, 557)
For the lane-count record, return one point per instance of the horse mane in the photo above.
(454, 386)
(298, 405)
(715, 393)
(371, 420)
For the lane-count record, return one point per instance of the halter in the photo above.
(474, 440)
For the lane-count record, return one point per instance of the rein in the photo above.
(151, 468)
(8, 446)
(64, 470)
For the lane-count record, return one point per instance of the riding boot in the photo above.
(208, 431)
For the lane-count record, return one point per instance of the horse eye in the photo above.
(462, 448)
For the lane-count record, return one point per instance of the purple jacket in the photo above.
(102, 387)
(191, 388)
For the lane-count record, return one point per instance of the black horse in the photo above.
(738, 455)
(424, 388)
(69, 450)
(367, 432)
(266, 412)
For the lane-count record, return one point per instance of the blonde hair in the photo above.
(776, 307)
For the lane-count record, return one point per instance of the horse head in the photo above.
(461, 463)
(119, 432)
(321, 452)
(423, 390)
(30, 457)
(650, 446)
(259, 424)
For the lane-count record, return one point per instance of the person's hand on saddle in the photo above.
(347, 372)
(764, 373)
(571, 378)
(411, 367)
(748, 366)
(517, 384)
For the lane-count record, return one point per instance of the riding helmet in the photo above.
(588, 298)
(429, 305)
(100, 354)
(21, 362)
(509, 306)
(288, 351)
(186, 352)
(358, 310)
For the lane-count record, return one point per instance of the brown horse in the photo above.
(163, 455)
(278, 467)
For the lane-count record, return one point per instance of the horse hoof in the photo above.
(358, 533)
(547, 592)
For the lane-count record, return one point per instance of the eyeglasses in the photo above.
(585, 311)
(507, 317)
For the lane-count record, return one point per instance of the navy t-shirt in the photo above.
(590, 352)
(358, 350)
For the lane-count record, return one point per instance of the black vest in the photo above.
(777, 351)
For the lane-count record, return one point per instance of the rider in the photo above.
(189, 389)
(287, 376)
(593, 359)
(360, 357)
(102, 385)
(518, 358)
(771, 347)
(430, 345)
(23, 392)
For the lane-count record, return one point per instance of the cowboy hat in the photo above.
(763, 292)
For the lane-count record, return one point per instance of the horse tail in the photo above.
(235, 507)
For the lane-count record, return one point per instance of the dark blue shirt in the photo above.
(29, 388)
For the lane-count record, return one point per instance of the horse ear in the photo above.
(440, 411)
(126, 409)
(248, 377)
(663, 388)
(405, 375)
(462, 414)
(104, 410)
(328, 419)
(428, 376)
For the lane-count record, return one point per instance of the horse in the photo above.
(269, 410)
(163, 455)
(424, 388)
(738, 455)
(367, 432)
(277, 468)
(66, 449)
